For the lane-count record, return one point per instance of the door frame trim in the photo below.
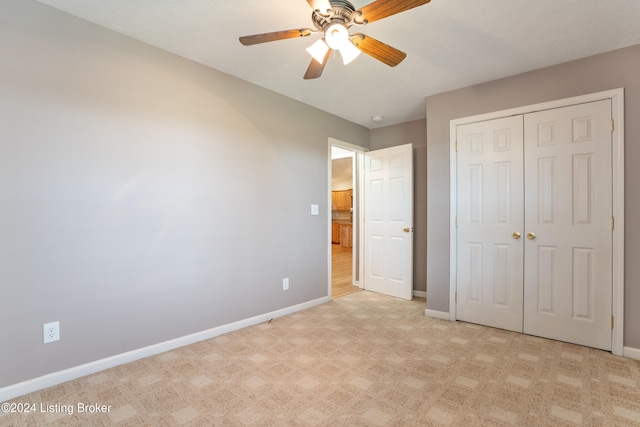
(617, 102)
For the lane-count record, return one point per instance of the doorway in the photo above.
(381, 190)
(343, 203)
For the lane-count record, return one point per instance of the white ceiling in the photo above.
(450, 44)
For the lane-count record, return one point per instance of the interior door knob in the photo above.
(516, 235)
(531, 236)
(407, 230)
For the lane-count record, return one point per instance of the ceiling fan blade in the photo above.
(322, 5)
(276, 35)
(316, 68)
(382, 8)
(378, 50)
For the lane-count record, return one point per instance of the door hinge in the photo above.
(456, 222)
(611, 322)
(456, 297)
(613, 223)
(456, 146)
(611, 123)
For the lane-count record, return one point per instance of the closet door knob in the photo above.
(516, 235)
(531, 236)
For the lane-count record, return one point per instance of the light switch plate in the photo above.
(315, 210)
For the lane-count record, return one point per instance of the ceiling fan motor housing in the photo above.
(340, 14)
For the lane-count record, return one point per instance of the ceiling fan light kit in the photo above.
(318, 50)
(349, 52)
(336, 35)
(334, 18)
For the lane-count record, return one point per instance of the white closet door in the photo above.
(568, 205)
(490, 211)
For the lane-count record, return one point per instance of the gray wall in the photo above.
(144, 197)
(414, 132)
(611, 70)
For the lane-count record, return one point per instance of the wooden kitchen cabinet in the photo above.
(346, 235)
(342, 200)
(342, 233)
(335, 232)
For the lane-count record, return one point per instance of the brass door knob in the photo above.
(516, 235)
(407, 230)
(531, 236)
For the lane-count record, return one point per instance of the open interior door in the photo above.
(388, 221)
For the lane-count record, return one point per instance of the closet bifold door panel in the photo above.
(490, 211)
(568, 234)
(534, 214)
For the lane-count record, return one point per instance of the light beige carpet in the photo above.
(361, 360)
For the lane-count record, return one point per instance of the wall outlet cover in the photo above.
(51, 332)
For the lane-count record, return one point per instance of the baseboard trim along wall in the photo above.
(420, 294)
(437, 314)
(631, 353)
(60, 377)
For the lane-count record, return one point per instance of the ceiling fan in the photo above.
(334, 18)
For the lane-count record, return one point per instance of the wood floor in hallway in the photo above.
(341, 271)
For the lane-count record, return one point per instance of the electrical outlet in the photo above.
(285, 284)
(51, 332)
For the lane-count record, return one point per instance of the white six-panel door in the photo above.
(568, 205)
(388, 221)
(534, 238)
(490, 211)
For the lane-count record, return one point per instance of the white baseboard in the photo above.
(60, 377)
(631, 353)
(437, 314)
(420, 294)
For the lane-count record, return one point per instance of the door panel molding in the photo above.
(617, 100)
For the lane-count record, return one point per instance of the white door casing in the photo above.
(388, 221)
(490, 211)
(568, 205)
(584, 173)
